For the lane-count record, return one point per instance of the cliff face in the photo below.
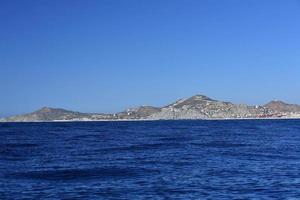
(195, 107)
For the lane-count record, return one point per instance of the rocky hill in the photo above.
(142, 112)
(195, 107)
(55, 114)
(203, 107)
(280, 106)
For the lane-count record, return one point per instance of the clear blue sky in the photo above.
(108, 55)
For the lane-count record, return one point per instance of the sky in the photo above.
(108, 55)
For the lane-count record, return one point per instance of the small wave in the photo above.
(220, 145)
(142, 147)
(180, 139)
(83, 137)
(261, 156)
(18, 145)
(82, 174)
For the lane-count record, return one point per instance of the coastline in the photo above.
(197, 107)
(143, 120)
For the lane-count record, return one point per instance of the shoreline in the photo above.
(143, 120)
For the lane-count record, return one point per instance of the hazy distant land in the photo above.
(195, 107)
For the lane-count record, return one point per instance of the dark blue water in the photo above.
(251, 159)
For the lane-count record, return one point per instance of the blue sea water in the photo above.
(234, 159)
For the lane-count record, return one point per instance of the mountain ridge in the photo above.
(195, 107)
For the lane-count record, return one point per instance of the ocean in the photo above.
(188, 159)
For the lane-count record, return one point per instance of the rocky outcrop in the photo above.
(195, 107)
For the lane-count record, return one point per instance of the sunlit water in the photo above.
(250, 159)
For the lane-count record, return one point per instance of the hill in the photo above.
(195, 107)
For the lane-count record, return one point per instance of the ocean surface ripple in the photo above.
(188, 159)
